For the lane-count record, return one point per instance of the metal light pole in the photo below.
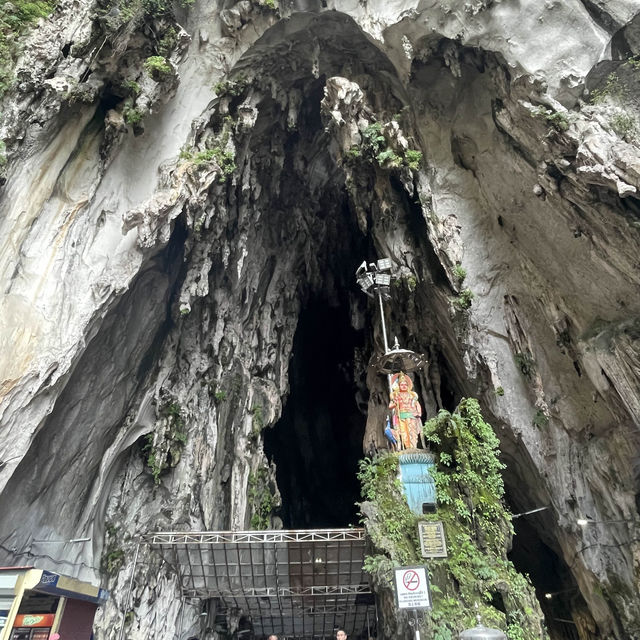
(375, 279)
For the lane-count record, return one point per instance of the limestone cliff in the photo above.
(188, 191)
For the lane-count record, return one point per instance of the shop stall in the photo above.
(35, 603)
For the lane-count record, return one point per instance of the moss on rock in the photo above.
(477, 526)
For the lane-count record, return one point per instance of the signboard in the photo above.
(432, 540)
(3, 619)
(412, 588)
(48, 581)
(34, 620)
(71, 588)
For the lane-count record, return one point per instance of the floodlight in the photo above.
(383, 279)
(362, 269)
(582, 522)
(366, 282)
(384, 264)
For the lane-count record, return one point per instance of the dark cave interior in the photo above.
(556, 589)
(318, 440)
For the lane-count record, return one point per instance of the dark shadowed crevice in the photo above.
(556, 589)
(317, 443)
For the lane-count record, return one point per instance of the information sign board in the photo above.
(432, 540)
(412, 588)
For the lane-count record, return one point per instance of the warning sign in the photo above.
(412, 588)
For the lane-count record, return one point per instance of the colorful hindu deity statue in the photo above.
(406, 410)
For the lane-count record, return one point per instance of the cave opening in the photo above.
(556, 589)
(317, 443)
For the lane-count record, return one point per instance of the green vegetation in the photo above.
(624, 125)
(388, 159)
(411, 282)
(162, 449)
(477, 527)
(612, 88)
(557, 119)
(157, 67)
(459, 273)
(232, 88)
(112, 555)
(220, 396)
(226, 160)
(261, 500)
(167, 43)
(463, 300)
(375, 147)
(133, 87)
(257, 417)
(395, 528)
(15, 18)
(131, 115)
(354, 153)
(499, 391)
(3, 154)
(413, 159)
(540, 420)
(257, 424)
(219, 153)
(525, 363)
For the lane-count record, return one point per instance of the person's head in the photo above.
(272, 637)
(341, 635)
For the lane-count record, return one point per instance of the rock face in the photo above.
(179, 188)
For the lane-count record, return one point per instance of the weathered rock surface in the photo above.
(150, 297)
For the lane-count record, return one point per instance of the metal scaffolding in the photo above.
(300, 584)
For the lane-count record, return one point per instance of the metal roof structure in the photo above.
(300, 584)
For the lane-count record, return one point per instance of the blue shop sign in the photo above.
(60, 586)
(48, 582)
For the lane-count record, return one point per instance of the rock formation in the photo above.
(188, 191)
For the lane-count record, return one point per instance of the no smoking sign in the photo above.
(412, 588)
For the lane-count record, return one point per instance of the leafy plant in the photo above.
(15, 19)
(353, 153)
(557, 119)
(624, 125)
(526, 363)
(157, 67)
(540, 419)
(413, 159)
(388, 158)
(261, 499)
(459, 273)
(162, 449)
(132, 116)
(372, 137)
(464, 298)
(613, 88)
(231, 88)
